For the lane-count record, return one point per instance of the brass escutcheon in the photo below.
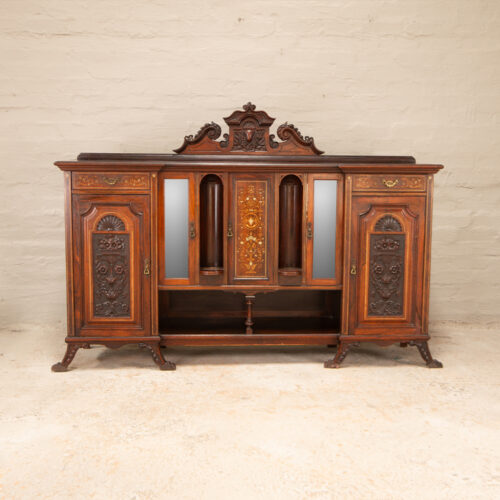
(111, 180)
(389, 183)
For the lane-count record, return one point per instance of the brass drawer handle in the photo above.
(309, 232)
(111, 180)
(389, 183)
(192, 231)
(146, 267)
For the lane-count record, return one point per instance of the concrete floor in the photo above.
(259, 423)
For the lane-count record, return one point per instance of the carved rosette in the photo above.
(388, 224)
(250, 241)
(111, 275)
(248, 133)
(110, 223)
(386, 271)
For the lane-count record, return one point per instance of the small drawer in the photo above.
(389, 182)
(111, 181)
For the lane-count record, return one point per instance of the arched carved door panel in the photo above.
(386, 267)
(112, 265)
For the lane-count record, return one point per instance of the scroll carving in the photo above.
(251, 229)
(111, 274)
(386, 274)
(248, 133)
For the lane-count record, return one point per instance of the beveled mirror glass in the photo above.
(176, 195)
(325, 228)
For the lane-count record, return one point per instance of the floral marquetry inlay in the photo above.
(111, 181)
(251, 217)
(389, 182)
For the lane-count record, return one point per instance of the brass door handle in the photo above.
(353, 269)
(146, 267)
(110, 180)
(229, 231)
(389, 183)
(309, 231)
(192, 231)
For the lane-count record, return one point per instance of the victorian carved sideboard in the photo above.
(247, 240)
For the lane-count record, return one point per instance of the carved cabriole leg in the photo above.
(158, 358)
(342, 350)
(423, 349)
(68, 357)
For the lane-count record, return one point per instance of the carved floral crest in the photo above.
(248, 133)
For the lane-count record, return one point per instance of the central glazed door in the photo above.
(250, 229)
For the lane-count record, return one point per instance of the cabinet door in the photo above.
(324, 229)
(178, 229)
(112, 265)
(386, 265)
(251, 229)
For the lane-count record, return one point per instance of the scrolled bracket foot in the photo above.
(71, 350)
(342, 351)
(59, 367)
(158, 358)
(423, 349)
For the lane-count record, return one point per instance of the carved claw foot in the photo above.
(342, 351)
(68, 357)
(158, 358)
(423, 349)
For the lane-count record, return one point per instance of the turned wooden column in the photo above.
(249, 321)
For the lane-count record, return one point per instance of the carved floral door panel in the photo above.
(251, 229)
(112, 265)
(386, 268)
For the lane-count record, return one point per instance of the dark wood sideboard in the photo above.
(250, 239)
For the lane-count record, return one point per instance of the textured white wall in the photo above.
(403, 77)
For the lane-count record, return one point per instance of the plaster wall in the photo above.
(411, 77)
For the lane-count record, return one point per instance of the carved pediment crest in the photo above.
(248, 134)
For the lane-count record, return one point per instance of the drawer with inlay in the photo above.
(389, 182)
(111, 181)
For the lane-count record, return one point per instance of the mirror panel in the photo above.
(176, 196)
(325, 228)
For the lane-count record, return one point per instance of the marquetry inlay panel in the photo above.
(251, 229)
